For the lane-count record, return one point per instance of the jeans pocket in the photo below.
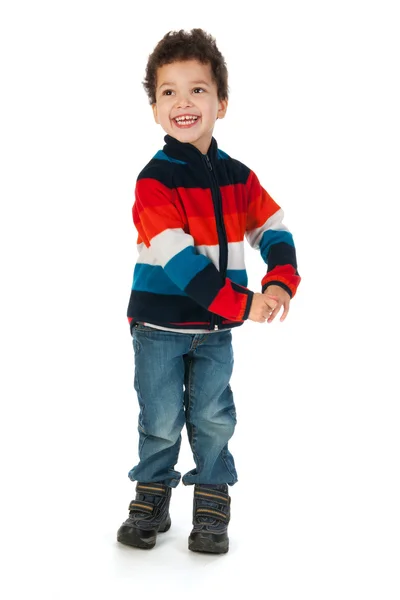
(141, 327)
(135, 343)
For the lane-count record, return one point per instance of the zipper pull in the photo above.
(209, 165)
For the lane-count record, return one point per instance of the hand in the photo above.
(281, 298)
(261, 307)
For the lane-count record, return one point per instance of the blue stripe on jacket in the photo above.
(271, 237)
(162, 156)
(184, 266)
(150, 278)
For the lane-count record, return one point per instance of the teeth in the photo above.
(187, 119)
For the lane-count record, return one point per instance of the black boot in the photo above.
(148, 515)
(211, 514)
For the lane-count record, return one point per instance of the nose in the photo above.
(183, 100)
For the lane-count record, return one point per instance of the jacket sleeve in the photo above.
(266, 232)
(161, 227)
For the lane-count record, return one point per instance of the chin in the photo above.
(188, 139)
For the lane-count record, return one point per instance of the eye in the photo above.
(167, 92)
(198, 89)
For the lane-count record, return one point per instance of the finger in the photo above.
(274, 313)
(275, 300)
(285, 311)
(271, 302)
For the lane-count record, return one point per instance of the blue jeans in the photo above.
(183, 378)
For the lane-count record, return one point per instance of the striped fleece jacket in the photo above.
(192, 212)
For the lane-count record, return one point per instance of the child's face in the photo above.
(188, 89)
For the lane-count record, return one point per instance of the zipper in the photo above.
(222, 237)
(223, 255)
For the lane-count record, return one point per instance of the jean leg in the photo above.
(159, 376)
(210, 410)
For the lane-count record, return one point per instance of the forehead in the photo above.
(184, 72)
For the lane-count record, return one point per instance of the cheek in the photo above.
(211, 109)
(163, 114)
(165, 110)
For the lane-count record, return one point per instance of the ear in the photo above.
(222, 108)
(155, 114)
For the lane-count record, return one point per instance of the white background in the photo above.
(314, 111)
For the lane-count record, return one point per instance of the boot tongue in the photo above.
(148, 498)
(144, 493)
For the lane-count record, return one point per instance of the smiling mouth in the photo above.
(185, 122)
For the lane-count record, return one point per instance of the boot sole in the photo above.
(141, 538)
(202, 543)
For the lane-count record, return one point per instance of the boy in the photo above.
(193, 206)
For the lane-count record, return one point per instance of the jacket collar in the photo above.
(187, 152)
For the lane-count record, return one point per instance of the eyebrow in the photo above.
(170, 83)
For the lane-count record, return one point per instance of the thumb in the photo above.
(272, 301)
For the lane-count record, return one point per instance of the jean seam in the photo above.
(192, 427)
(224, 452)
(142, 443)
(136, 385)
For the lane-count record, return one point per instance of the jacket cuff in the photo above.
(248, 305)
(282, 285)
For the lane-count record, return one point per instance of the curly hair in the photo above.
(180, 46)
